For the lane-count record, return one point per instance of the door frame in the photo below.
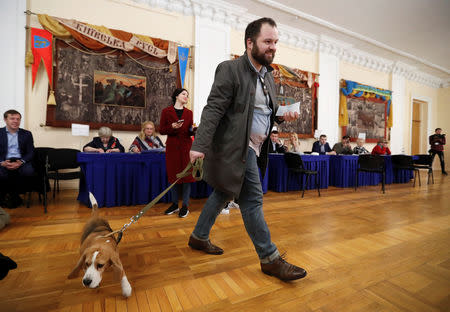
(429, 102)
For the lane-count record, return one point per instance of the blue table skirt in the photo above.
(136, 179)
(119, 179)
(282, 180)
(343, 172)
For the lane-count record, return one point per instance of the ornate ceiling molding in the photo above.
(238, 18)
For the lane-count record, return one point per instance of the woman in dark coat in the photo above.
(176, 122)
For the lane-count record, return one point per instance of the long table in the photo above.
(282, 180)
(123, 179)
(343, 173)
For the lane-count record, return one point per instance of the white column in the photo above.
(399, 107)
(212, 46)
(328, 97)
(12, 57)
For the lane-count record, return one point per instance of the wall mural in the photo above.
(365, 116)
(109, 88)
(364, 109)
(297, 87)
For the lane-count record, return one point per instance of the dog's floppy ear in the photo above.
(117, 267)
(77, 268)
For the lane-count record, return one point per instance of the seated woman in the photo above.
(104, 143)
(359, 148)
(294, 143)
(146, 139)
(381, 148)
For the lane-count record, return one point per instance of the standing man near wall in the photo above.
(437, 142)
(233, 137)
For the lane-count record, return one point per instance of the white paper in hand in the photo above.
(295, 108)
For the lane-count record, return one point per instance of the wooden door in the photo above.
(415, 134)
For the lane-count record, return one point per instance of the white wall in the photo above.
(397, 144)
(212, 46)
(12, 57)
(328, 97)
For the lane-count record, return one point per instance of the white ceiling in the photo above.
(416, 32)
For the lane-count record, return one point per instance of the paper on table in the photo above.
(288, 108)
(362, 135)
(80, 130)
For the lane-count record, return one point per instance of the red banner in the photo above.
(41, 45)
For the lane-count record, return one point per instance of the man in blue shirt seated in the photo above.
(16, 154)
(322, 147)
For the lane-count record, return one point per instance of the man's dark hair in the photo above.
(345, 137)
(254, 28)
(437, 129)
(274, 131)
(323, 136)
(11, 112)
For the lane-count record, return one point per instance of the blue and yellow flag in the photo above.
(183, 54)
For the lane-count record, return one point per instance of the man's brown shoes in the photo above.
(204, 246)
(283, 270)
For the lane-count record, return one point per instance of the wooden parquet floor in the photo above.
(364, 251)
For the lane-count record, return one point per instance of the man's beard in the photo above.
(261, 57)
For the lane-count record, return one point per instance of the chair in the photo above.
(405, 162)
(424, 161)
(59, 159)
(294, 163)
(371, 163)
(41, 183)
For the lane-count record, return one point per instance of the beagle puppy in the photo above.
(98, 253)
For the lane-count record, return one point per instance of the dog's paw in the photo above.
(126, 287)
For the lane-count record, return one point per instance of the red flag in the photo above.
(41, 45)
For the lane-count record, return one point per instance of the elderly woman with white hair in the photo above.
(359, 149)
(104, 143)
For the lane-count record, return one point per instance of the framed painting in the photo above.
(119, 89)
(365, 116)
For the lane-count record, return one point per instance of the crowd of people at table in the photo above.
(321, 147)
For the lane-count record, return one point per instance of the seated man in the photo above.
(275, 144)
(381, 148)
(322, 147)
(343, 147)
(16, 154)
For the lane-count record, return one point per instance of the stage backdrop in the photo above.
(110, 88)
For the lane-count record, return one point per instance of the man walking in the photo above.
(233, 138)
